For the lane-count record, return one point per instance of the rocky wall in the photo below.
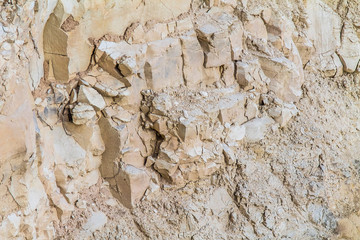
(149, 98)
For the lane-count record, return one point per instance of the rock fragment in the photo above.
(256, 128)
(82, 113)
(92, 97)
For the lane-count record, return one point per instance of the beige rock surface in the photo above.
(214, 119)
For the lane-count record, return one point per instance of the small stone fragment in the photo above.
(95, 222)
(82, 113)
(92, 97)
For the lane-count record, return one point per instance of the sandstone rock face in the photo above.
(215, 119)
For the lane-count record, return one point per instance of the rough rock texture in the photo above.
(215, 119)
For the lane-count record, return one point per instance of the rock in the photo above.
(90, 79)
(157, 75)
(49, 115)
(215, 44)
(185, 24)
(92, 97)
(349, 51)
(249, 75)
(88, 136)
(266, 15)
(149, 161)
(81, 204)
(95, 222)
(232, 109)
(236, 40)
(60, 94)
(132, 183)
(236, 133)
(219, 201)
(193, 57)
(137, 34)
(127, 65)
(330, 65)
(212, 32)
(285, 114)
(305, 47)
(110, 82)
(66, 149)
(256, 27)
(229, 155)
(109, 54)
(320, 13)
(114, 137)
(73, 96)
(347, 229)
(275, 112)
(187, 130)
(122, 115)
(111, 202)
(165, 168)
(82, 113)
(160, 126)
(10, 227)
(287, 86)
(256, 128)
(162, 104)
(322, 215)
(105, 91)
(251, 110)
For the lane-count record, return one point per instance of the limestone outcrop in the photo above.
(192, 119)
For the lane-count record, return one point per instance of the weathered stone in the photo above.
(256, 27)
(158, 32)
(132, 183)
(215, 44)
(286, 113)
(158, 75)
(232, 109)
(88, 136)
(105, 91)
(109, 54)
(82, 113)
(165, 168)
(229, 155)
(149, 161)
(110, 82)
(127, 65)
(187, 130)
(193, 58)
(287, 85)
(349, 51)
(305, 47)
(10, 227)
(331, 65)
(256, 128)
(183, 25)
(251, 110)
(236, 40)
(49, 115)
(92, 97)
(114, 138)
(236, 133)
(160, 126)
(266, 15)
(122, 115)
(96, 221)
(162, 104)
(90, 79)
(320, 13)
(249, 75)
